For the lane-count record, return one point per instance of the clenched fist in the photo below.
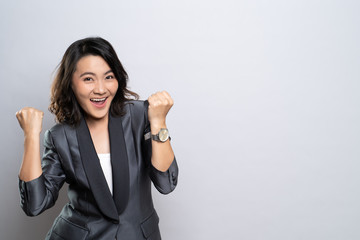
(30, 120)
(159, 105)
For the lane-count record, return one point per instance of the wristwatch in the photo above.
(161, 136)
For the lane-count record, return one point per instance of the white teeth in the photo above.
(98, 99)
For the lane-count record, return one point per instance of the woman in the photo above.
(107, 147)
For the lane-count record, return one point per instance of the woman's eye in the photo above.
(87, 79)
(110, 77)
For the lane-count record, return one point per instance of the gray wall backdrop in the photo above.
(265, 124)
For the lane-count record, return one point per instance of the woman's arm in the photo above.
(39, 185)
(30, 120)
(162, 153)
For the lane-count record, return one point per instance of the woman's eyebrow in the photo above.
(87, 73)
(93, 74)
(108, 72)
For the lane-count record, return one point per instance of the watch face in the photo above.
(163, 134)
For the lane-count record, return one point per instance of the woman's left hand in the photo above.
(159, 105)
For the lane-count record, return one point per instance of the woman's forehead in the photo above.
(91, 63)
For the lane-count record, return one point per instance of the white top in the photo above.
(105, 162)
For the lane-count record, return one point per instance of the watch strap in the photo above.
(156, 137)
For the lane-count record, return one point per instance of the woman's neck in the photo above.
(97, 124)
(99, 134)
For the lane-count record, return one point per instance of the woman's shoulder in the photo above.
(142, 104)
(59, 127)
(138, 109)
(60, 135)
(59, 130)
(137, 106)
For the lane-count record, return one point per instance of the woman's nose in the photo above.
(99, 87)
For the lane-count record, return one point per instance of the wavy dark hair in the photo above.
(63, 101)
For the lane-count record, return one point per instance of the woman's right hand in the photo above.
(30, 120)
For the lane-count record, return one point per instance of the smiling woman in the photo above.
(94, 89)
(81, 61)
(101, 147)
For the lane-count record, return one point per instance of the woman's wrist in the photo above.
(32, 135)
(156, 126)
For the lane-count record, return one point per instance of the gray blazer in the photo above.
(92, 212)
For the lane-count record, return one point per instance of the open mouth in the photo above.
(99, 102)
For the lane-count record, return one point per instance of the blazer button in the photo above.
(22, 201)
(21, 190)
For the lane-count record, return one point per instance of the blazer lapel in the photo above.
(94, 172)
(120, 163)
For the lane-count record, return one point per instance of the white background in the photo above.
(265, 124)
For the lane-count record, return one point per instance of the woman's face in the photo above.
(95, 86)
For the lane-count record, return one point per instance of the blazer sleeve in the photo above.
(164, 182)
(41, 193)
